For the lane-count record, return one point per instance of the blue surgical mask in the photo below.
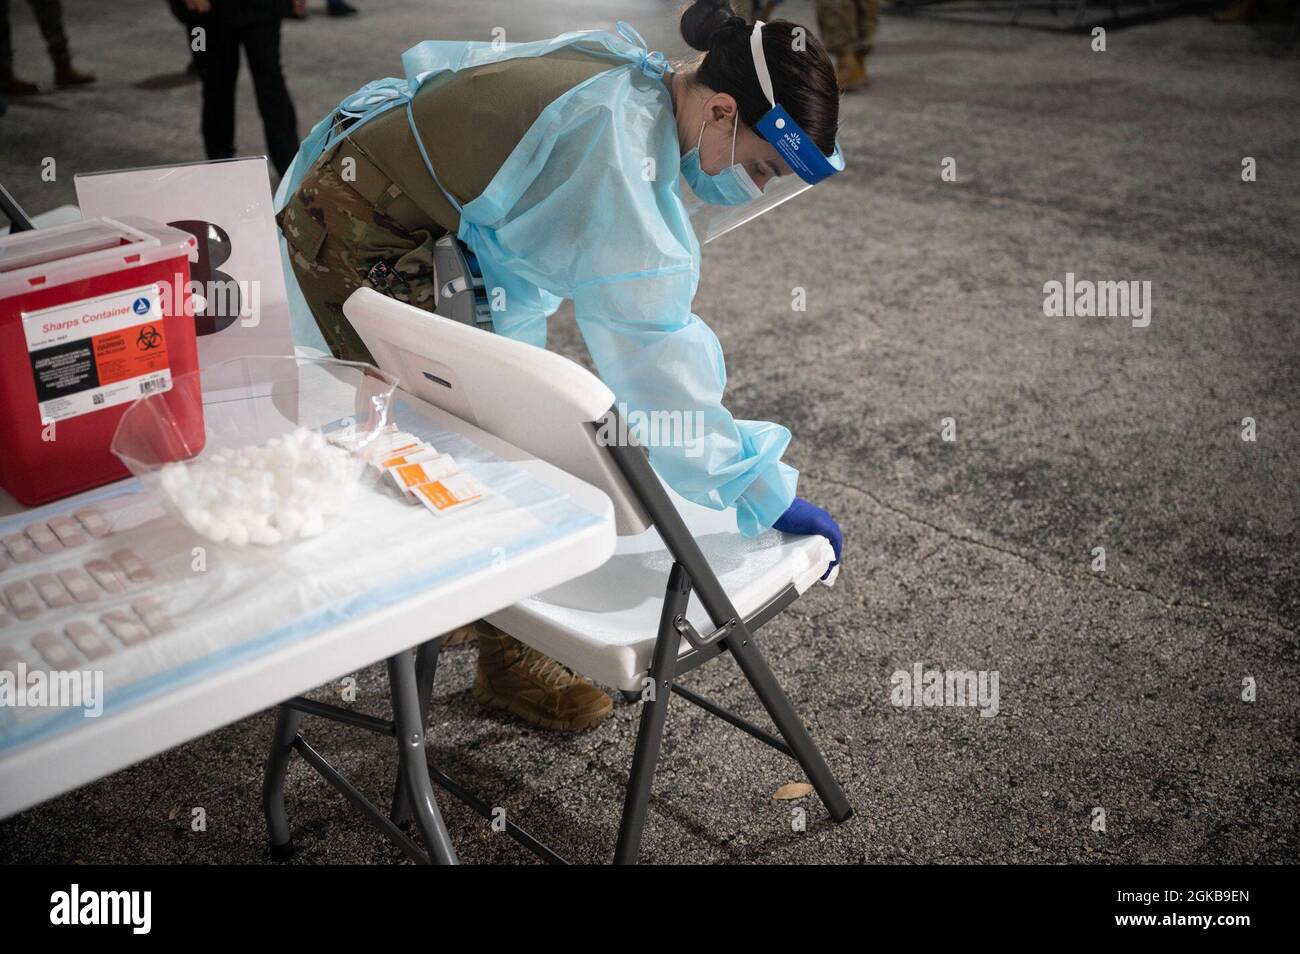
(731, 186)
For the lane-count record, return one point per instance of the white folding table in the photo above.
(89, 748)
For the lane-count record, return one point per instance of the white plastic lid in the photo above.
(45, 258)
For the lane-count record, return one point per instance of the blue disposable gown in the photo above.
(587, 207)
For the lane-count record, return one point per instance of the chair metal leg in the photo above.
(426, 668)
(788, 723)
(650, 732)
(634, 464)
(287, 722)
(414, 771)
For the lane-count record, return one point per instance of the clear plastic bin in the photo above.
(260, 423)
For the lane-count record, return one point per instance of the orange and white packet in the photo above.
(407, 455)
(450, 493)
(379, 457)
(412, 473)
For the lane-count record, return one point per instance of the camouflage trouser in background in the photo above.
(49, 18)
(848, 26)
(338, 242)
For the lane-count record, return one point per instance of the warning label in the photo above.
(97, 353)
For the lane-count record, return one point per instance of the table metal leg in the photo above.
(426, 668)
(287, 722)
(414, 771)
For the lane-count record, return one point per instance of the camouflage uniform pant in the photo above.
(848, 26)
(49, 18)
(339, 242)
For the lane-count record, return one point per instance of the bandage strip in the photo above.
(68, 532)
(44, 538)
(54, 651)
(149, 609)
(51, 590)
(107, 575)
(85, 638)
(132, 566)
(9, 660)
(21, 548)
(79, 585)
(94, 522)
(23, 600)
(125, 627)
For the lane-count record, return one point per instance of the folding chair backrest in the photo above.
(537, 400)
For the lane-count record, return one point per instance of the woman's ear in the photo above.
(721, 107)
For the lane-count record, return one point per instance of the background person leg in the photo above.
(49, 17)
(10, 84)
(261, 42)
(219, 91)
(840, 23)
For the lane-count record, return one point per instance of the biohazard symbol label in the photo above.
(149, 338)
(116, 359)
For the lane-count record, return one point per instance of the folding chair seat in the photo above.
(604, 625)
(683, 587)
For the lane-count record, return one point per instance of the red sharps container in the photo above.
(93, 315)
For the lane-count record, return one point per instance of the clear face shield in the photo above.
(712, 221)
(808, 163)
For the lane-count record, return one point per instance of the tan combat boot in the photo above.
(851, 71)
(533, 686)
(461, 636)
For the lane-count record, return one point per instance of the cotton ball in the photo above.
(289, 522)
(200, 520)
(172, 478)
(312, 526)
(264, 535)
(238, 534)
(285, 488)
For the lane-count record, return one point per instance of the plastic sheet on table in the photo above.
(216, 606)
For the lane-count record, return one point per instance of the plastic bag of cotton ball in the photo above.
(285, 489)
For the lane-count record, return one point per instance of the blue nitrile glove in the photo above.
(807, 518)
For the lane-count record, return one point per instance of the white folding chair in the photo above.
(683, 587)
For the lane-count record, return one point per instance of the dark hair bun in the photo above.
(706, 23)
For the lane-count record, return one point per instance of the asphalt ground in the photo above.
(1119, 691)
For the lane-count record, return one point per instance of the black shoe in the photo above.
(13, 86)
(65, 75)
(342, 10)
